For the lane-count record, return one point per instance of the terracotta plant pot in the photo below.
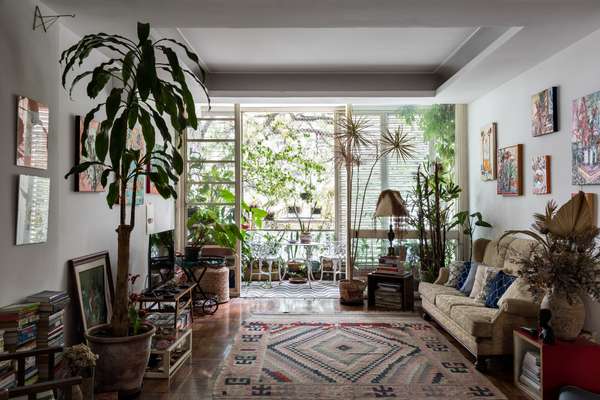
(122, 361)
(567, 319)
(352, 291)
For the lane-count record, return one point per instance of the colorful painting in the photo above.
(33, 207)
(93, 281)
(151, 187)
(540, 166)
(32, 133)
(585, 140)
(544, 112)
(88, 180)
(488, 152)
(510, 170)
(135, 141)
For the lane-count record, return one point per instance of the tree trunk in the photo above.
(120, 319)
(349, 233)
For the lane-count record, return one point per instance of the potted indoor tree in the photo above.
(150, 90)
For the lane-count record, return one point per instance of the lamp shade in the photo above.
(390, 204)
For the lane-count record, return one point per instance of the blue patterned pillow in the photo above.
(464, 274)
(496, 288)
(468, 283)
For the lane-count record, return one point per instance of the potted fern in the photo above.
(151, 88)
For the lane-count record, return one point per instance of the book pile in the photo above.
(388, 295)
(50, 325)
(390, 265)
(530, 371)
(8, 378)
(162, 320)
(19, 322)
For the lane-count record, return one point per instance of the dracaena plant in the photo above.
(150, 89)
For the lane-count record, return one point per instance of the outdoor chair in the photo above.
(335, 252)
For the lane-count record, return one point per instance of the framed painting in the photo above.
(544, 112)
(540, 167)
(510, 170)
(32, 133)
(89, 180)
(94, 286)
(585, 140)
(33, 205)
(488, 152)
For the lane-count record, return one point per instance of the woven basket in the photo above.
(352, 291)
(216, 283)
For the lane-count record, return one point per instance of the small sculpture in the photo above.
(546, 331)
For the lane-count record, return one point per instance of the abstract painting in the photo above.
(544, 112)
(93, 282)
(88, 180)
(33, 207)
(32, 133)
(585, 140)
(488, 152)
(135, 141)
(510, 170)
(540, 167)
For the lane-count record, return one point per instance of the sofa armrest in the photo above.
(443, 276)
(522, 308)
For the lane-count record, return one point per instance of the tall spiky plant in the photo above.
(151, 86)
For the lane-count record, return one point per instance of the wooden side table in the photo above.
(404, 281)
(562, 363)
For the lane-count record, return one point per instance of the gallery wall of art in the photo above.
(78, 222)
(514, 108)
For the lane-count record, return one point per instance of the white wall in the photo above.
(575, 72)
(79, 223)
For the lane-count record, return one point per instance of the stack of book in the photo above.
(19, 322)
(50, 325)
(8, 378)
(530, 371)
(388, 295)
(390, 265)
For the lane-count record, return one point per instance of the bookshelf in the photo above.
(561, 364)
(172, 357)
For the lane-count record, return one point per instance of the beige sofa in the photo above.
(483, 331)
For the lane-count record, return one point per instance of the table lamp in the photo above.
(391, 204)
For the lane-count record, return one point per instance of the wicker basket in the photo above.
(352, 291)
(216, 283)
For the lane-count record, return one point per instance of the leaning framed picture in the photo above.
(94, 286)
(510, 171)
(488, 152)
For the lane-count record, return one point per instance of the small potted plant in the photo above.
(81, 361)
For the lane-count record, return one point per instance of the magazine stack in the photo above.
(530, 371)
(7, 373)
(388, 295)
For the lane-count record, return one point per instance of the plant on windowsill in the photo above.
(564, 264)
(150, 89)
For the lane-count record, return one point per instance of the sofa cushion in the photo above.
(475, 320)
(467, 285)
(445, 302)
(496, 288)
(495, 252)
(464, 274)
(429, 291)
(455, 268)
(518, 290)
(482, 277)
(489, 275)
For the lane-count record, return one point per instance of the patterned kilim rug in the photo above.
(318, 290)
(346, 356)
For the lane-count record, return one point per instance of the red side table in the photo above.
(574, 363)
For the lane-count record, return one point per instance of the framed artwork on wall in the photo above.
(585, 140)
(33, 206)
(540, 167)
(94, 286)
(544, 112)
(88, 180)
(510, 171)
(32, 133)
(488, 152)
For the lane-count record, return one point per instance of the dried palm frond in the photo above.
(352, 132)
(572, 219)
(543, 220)
(343, 156)
(397, 143)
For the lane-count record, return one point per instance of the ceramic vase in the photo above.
(567, 318)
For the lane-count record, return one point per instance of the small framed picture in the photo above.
(488, 152)
(544, 112)
(94, 285)
(540, 168)
(510, 171)
(32, 133)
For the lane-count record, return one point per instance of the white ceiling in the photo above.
(450, 50)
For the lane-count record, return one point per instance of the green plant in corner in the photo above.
(469, 223)
(151, 89)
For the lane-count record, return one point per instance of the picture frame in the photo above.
(510, 171)
(541, 173)
(488, 149)
(87, 181)
(585, 140)
(33, 207)
(33, 120)
(94, 286)
(544, 112)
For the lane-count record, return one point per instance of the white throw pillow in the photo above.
(489, 274)
(478, 283)
(519, 289)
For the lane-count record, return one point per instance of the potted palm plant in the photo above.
(150, 89)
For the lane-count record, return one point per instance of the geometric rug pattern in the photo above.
(318, 290)
(346, 356)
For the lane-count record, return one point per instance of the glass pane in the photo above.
(216, 111)
(211, 172)
(208, 129)
(198, 151)
(226, 214)
(208, 193)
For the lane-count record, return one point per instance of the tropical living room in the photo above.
(261, 199)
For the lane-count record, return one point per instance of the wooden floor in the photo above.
(213, 336)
